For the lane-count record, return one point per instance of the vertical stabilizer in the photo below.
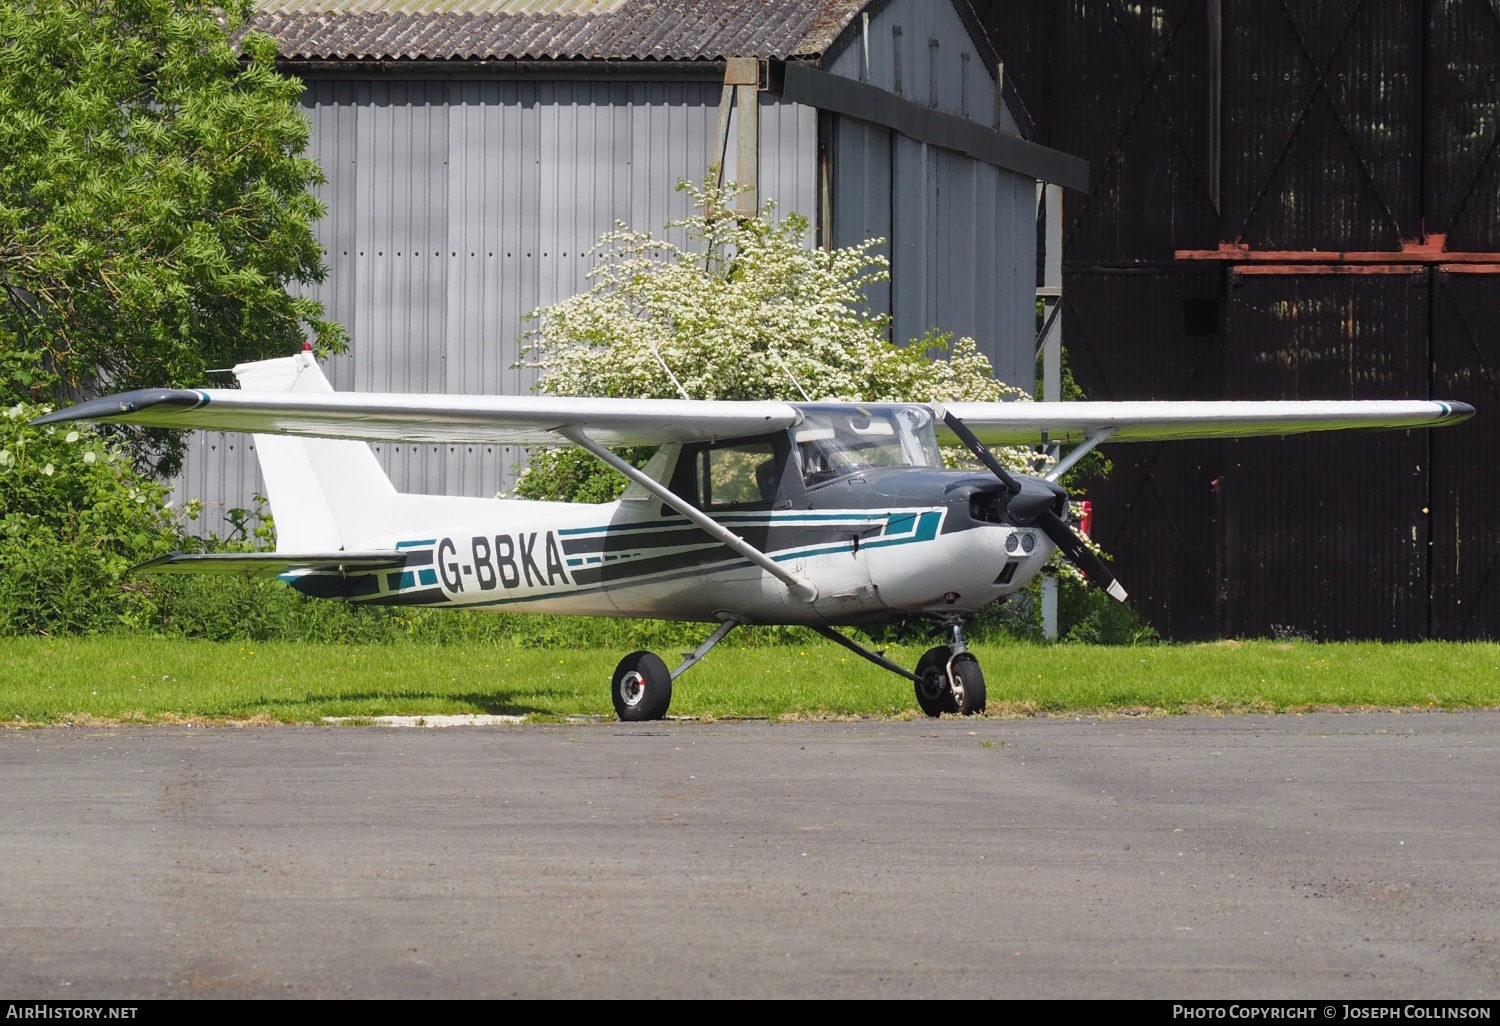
(327, 495)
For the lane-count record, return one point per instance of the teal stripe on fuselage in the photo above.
(755, 519)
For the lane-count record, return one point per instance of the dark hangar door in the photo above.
(1152, 335)
(1461, 200)
(1465, 482)
(1326, 536)
(1322, 124)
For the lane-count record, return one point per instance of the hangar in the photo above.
(1286, 201)
(476, 149)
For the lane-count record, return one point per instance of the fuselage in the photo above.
(878, 527)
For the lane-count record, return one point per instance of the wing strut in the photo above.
(1078, 452)
(801, 587)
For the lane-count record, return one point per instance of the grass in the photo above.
(149, 679)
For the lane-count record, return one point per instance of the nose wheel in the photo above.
(949, 682)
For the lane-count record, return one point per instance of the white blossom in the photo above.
(738, 309)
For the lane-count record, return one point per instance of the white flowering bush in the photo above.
(721, 307)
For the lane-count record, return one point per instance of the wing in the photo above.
(267, 564)
(489, 419)
(1025, 423)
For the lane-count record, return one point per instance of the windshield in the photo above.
(838, 440)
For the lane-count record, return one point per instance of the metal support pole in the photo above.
(721, 141)
(1051, 346)
(744, 74)
(1051, 294)
(1049, 607)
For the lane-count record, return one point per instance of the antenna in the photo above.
(654, 352)
(788, 372)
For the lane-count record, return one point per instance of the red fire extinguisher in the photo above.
(1086, 524)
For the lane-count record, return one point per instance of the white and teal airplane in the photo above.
(820, 514)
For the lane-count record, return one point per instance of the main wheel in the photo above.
(642, 687)
(934, 692)
(967, 685)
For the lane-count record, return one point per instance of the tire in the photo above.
(642, 688)
(967, 694)
(934, 694)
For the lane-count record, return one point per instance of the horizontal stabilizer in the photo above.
(268, 564)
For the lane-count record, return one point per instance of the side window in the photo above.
(735, 476)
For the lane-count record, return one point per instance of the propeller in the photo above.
(1051, 524)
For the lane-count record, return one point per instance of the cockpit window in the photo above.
(835, 441)
(737, 475)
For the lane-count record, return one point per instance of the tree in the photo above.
(745, 309)
(154, 200)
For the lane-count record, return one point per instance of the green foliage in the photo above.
(1088, 616)
(75, 515)
(572, 475)
(154, 203)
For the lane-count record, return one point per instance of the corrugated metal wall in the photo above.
(457, 207)
(961, 232)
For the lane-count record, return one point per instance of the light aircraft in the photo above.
(824, 514)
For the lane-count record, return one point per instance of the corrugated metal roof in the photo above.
(672, 30)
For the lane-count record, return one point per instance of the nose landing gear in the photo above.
(948, 678)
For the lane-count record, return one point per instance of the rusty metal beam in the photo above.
(1245, 269)
(1412, 252)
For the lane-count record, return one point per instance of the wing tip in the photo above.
(124, 404)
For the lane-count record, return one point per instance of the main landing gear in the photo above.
(948, 678)
(642, 687)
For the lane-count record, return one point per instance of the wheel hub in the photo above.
(933, 686)
(956, 677)
(632, 688)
